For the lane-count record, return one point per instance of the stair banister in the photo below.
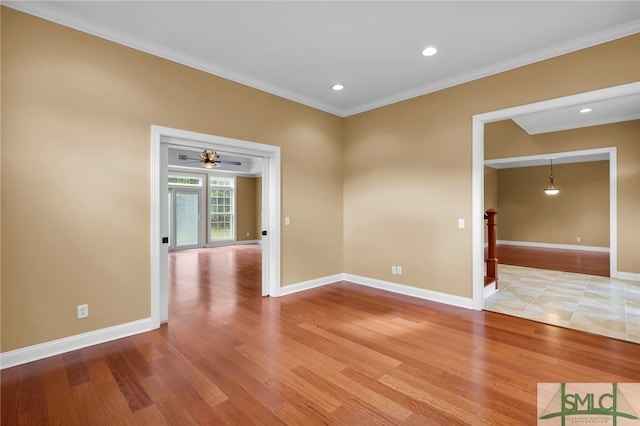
(492, 260)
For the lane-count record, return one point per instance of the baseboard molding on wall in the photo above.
(71, 343)
(435, 296)
(554, 246)
(232, 243)
(308, 285)
(248, 242)
(420, 293)
(490, 289)
(627, 276)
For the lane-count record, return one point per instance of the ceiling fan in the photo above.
(209, 159)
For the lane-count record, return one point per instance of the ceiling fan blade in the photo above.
(231, 163)
(183, 157)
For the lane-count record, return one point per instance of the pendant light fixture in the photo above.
(551, 190)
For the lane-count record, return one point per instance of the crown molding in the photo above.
(540, 55)
(45, 11)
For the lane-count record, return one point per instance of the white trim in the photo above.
(435, 296)
(477, 213)
(271, 204)
(490, 289)
(241, 242)
(46, 11)
(72, 343)
(226, 243)
(447, 299)
(531, 58)
(553, 246)
(477, 174)
(159, 251)
(582, 156)
(613, 209)
(308, 285)
(628, 276)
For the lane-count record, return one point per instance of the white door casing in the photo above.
(161, 138)
(477, 190)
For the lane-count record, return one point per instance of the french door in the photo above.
(184, 218)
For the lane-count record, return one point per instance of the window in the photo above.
(221, 198)
(184, 180)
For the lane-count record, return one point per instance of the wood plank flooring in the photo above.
(340, 354)
(578, 261)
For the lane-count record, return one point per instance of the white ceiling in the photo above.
(613, 110)
(298, 49)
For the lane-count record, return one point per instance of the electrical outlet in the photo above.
(460, 223)
(399, 270)
(394, 270)
(83, 311)
(578, 239)
(247, 234)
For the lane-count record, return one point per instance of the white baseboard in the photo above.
(71, 343)
(420, 293)
(435, 296)
(490, 289)
(553, 246)
(308, 285)
(247, 242)
(226, 243)
(627, 276)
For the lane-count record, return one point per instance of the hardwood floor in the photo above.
(578, 261)
(341, 354)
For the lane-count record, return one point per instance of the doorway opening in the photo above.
(478, 122)
(577, 301)
(162, 138)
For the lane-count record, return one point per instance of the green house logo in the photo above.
(587, 403)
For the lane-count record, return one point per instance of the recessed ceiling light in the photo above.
(429, 51)
(585, 110)
(337, 87)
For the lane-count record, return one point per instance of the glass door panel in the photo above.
(186, 218)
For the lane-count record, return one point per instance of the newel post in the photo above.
(492, 261)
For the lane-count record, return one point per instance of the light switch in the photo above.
(287, 221)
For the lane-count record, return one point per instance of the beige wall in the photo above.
(581, 209)
(76, 114)
(490, 188)
(407, 167)
(506, 139)
(246, 209)
(490, 193)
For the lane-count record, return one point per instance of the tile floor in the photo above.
(600, 305)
